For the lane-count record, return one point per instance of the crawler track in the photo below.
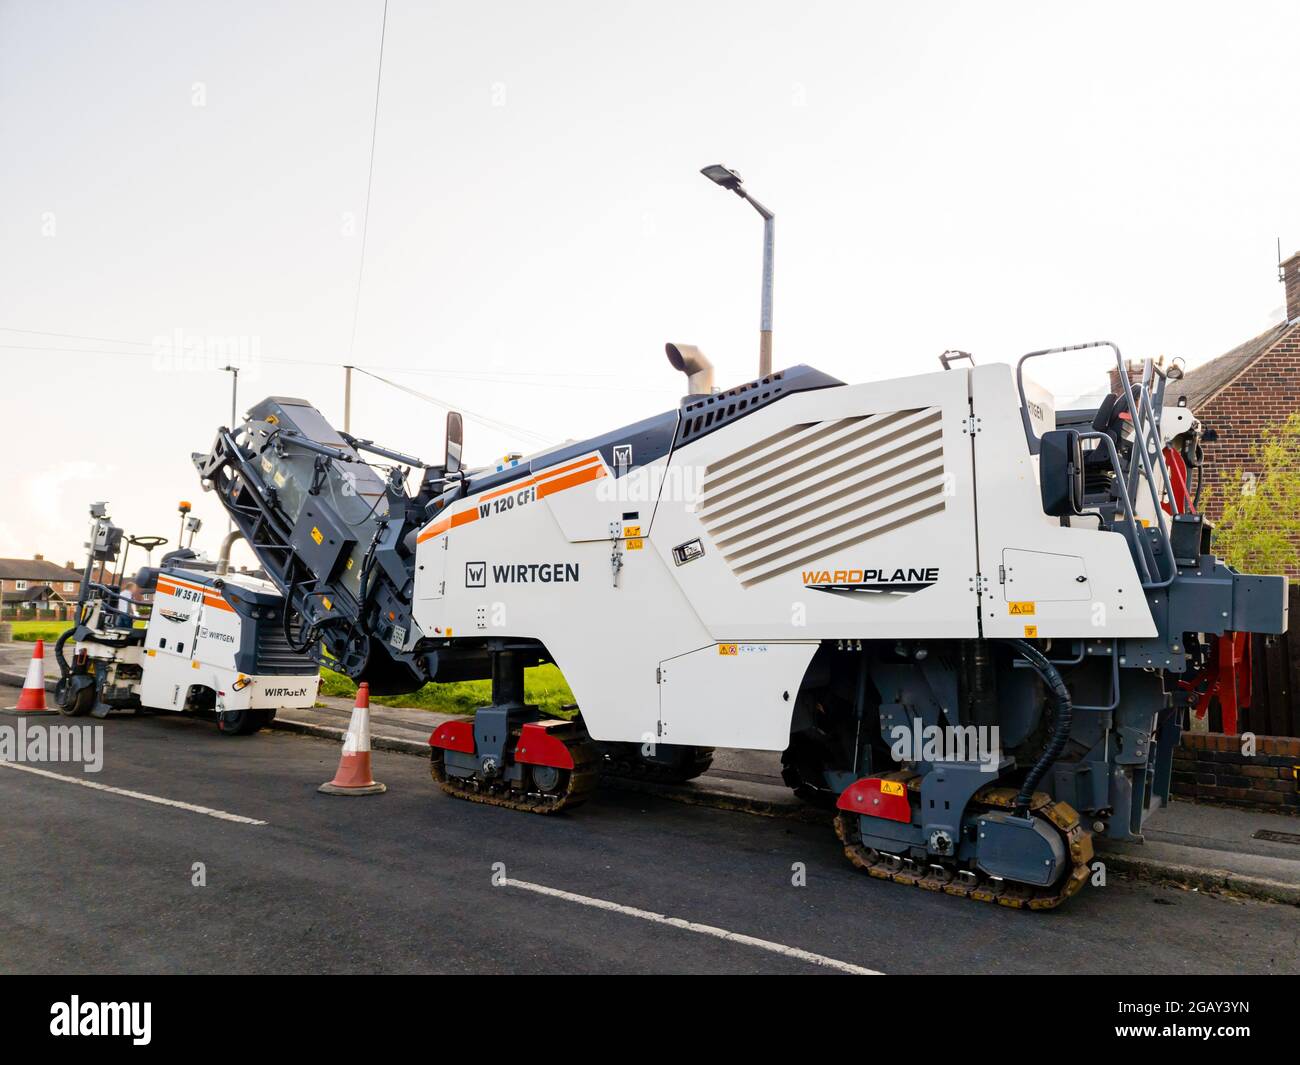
(572, 790)
(969, 883)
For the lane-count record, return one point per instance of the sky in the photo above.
(184, 184)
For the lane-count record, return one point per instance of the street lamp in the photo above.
(730, 180)
(234, 406)
(234, 392)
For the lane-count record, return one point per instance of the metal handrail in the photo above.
(1140, 541)
(1136, 413)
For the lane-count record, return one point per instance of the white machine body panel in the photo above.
(841, 513)
(191, 640)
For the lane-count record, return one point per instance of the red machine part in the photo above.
(1227, 676)
(454, 736)
(536, 744)
(538, 747)
(877, 798)
(1177, 467)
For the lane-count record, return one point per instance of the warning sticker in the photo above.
(1020, 610)
(728, 649)
(318, 537)
(892, 787)
(635, 545)
(1031, 632)
(631, 531)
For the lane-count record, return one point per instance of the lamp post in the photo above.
(731, 180)
(234, 392)
(234, 406)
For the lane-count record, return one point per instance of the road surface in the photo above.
(94, 880)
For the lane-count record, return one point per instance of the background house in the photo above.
(1239, 395)
(35, 588)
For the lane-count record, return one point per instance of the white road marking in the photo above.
(221, 814)
(691, 926)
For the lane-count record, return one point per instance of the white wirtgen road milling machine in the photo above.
(212, 642)
(798, 565)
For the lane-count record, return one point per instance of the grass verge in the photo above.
(544, 686)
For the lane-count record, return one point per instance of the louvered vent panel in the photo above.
(815, 488)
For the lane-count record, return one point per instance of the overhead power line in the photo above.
(370, 180)
(483, 419)
(538, 377)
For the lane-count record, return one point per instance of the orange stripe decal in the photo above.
(209, 598)
(559, 484)
(548, 482)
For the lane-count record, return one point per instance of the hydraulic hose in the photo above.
(1051, 677)
(64, 668)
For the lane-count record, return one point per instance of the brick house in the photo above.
(1249, 389)
(35, 588)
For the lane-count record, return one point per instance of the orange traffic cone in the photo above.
(32, 698)
(353, 776)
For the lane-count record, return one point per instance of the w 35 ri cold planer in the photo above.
(210, 643)
(972, 622)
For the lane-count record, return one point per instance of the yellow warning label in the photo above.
(279, 479)
(728, 649)
(631, 530)
(1020, 610)
(448, 630)
(316, 535)
(326, 601)
(349, 563)
(1031, 632)
(272, 419)
(635, 545)
(892, 787)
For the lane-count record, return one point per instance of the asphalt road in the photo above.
(96, 882)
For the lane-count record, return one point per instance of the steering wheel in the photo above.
(147, 542)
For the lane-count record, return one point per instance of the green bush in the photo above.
(1260, 524)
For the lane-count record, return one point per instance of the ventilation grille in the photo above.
(816, 487)
(707, 414)
(273, 653)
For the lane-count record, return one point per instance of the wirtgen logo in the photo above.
(847, 581)
(75, 1017)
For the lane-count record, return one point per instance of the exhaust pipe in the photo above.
(691, 361)
(223, 556)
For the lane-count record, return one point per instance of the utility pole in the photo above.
(729, 179)
(347, 399)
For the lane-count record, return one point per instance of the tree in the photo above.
(1260, 525)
